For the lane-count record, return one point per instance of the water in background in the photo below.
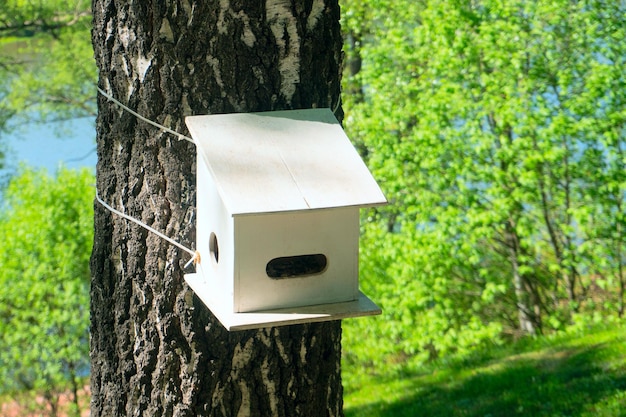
(50, 145)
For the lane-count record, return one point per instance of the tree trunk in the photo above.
(156, 350)
(522, 297)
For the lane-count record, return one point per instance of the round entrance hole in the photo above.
(214, 248)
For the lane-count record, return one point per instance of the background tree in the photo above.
(156, 349)
(45, 225)
(46, 73)
(496, 130)
(47, 59)
(47, 70)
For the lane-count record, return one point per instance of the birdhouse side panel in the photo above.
(214, 236)
(296, 259)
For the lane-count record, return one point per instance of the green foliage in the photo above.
(46, 60)
(19, 18)
(47, 71)
(569, 375)
(496, 130)
(46, 230)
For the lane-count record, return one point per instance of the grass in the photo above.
(583, 375)
(569, 375)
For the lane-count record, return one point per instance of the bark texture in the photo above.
(156, 350)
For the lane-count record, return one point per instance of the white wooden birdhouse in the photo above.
(278, 198)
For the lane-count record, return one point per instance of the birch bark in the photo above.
(155, 349)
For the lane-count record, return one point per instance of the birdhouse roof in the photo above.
(283, 161)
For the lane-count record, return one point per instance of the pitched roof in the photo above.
(283, 161)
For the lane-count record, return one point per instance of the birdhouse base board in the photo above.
(362, 306)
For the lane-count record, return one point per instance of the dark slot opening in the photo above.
(296, 266)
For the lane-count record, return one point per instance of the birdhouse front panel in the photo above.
(296, 259)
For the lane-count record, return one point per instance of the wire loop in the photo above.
(134, 113)
(194, 253)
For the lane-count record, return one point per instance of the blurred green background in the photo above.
(497, 132)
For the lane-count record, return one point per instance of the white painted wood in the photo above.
(212, 217)
(222, 308)
(275, 185)
(259, 239)
(283, 161)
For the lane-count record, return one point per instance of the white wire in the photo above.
(168, 130)
(195, 255)
(337, 106)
